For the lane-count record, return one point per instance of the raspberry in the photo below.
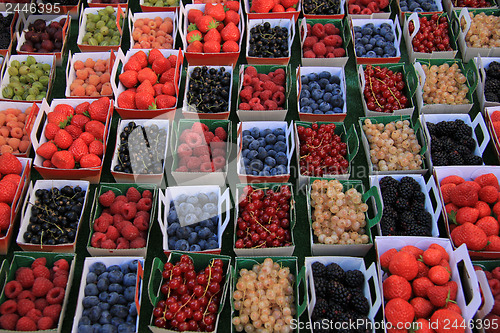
(108, 244)
(133, 195)
(138, 243)
(199, 128)
(193, 163)
(55, 295)
(279, 79)
(119, 226)
(145, 204)
(310, 41)
(147, 194)
(117, 218)
(9, 306)
(339, 52)
(45, 323)
(250, 70)
(207, 167)
(97, 239)
(53, 311)
(318, 30)
(112, 233)
(270, 105)
(12, 289)
(130, 232)
(41, 271)
(366, 11)
(205, 158)
(201, 150)
(25, 277)
(24, 306)
(60, 281)
(309, 54)
(219, 162)
(193, 139)
(141, 223)
(247, 80)
(331, 29)
(263, 77)
(122, 243)
(279, 97)
(244, 106)
(333, 40)
(116, 207)
(42, 261)
(42, 286)
(41, 303)
(26, 294)
(257, 85)
(246, 93)
(319, 49)
(25, 324)
(266, 94)
(34, 314)
(9, 321)
(208, 136)
(107, 198)
(129, 210)
(61, 273)
(102, 223)
(121, 198)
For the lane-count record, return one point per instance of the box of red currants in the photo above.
(87, 40)
(105, 3)
(486, 89)
(165, 29)
(458, 5)
(262, 33)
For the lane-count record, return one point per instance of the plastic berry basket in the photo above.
(284, 23)
(370, 197)
(409, 89)
(340, 16)
(482, 65)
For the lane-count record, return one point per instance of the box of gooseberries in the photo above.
(159, 5)
(92, 40)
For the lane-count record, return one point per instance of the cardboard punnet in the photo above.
(419, 132)
(71, 72)
(493, 134)
(467, 173)
(200, 261)
(201, 178)
(403, 15)
(268, 251)
(82, 23)
(26, 21)
(347, 264)
(72, 10)
(14, 26)
(470, 286)
(41, 59)
(488, 298)
(337, 71)
(347, 135)
(426, 188)
(482, 64)
(370, 197)
(412, 55)
(384, 14)
(284, 261)
(118, 88)
(38, 138)
(97, 208)
(30, 119)
(146, 9)
(284, 23)
(449, 6)
(257, 115)
(271, 15)
(190, 111)
(345, 33)
(25, 259)
(99, 3)
(477, 124)
(173, 192)
(261, 125)
(214, 59)
(123, 177)
(408, 90)
(108, 261)
(163, 15)
(29, 201)
(340, 16)
(396, 30)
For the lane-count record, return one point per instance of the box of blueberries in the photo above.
(408, 7)
(110, 294)
(193, 218)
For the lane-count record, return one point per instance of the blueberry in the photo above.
(247, 139)
(324, 106)
(113, 298)
(103, 296)
(281, 170)
(95, 314)
(389, 37)
(338, 110)
(91, 277)
(172, 216)
(434, 8)
(256, 165)
(360, 50)
(270, 161)
(203, 244)
(327, 97)
(252, 154)
(246, 132)
(244, 152)
(281, 138)
(182, 233)
(371, 54)
(84, 320)
(104, 306)
(129, 279)
(305, 101)
(91, 290)
(171, 242)
(116, 276)
(105, 318)
(404, 8)
(318, 112)
(90, 301)
(129, 293)
(126, 328)
(279, 131)
(312, 76)
(306, 109)
(379, 51)
(122, 300)
(124, 268)
(132, 309)
(117, 321)
(357, 29)
(324, 75)
(305, 93)
(265, 132)
(262, 153)
(182, 245)
(86, 312)
(270, 139)
(335, 80)
(368, 47)
(304, 79)
(195, 248)
(212, 245)
(330, 112)
(119, 310)
(108, 328)
(314, 85)
(85, 329)
(190, 219)
(204, 233)
(193, 238)
(271, 152)
(317, 94)
(98, 268)
(364, 40)
(281, 158)
(113, 268)
(96, 327)
(255, 132)
(323, 82)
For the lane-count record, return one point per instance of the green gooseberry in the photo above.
(7, 92)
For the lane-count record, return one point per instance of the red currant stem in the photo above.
(183, 305)
(373, 94)
(257, 246)
(209, 278)
(206, 309)
(388, 88)
(316, 147)
(304, 156)
(258, 222)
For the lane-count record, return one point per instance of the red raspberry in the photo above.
(41, 271)
(122, 243)
(108, 244)
(12, 289)
(130, 232)
(340, 52)
(42, 286)
(45, 323)
(194, 139)
(26, 294)
(9, 306)
(219, 162)
(55, 295)
(119, 226)
(319, 49)
(141, 223)
(310, 41)
(246, 93)
(53, 311)
(221, 133)
(112, 233)
(133, 195)
(244, 106)
(147, 194)
(309, 54)
(331, 29)
(250, 70)
(207, 167)
(265, 95)
(60, 281)
(9, 321)
(116, 207)
(199, 127)
(201, 150)
(24, 306)
(97, 239)
(61, 272)
(270, 105)
(279, 79)
(208, 136)
(41, 303)
(143, 214)
(25, 277)
(279, 98)
(257, 84)
(193, 163)
(34, 314)
(144, 204)
(318, 30)
(184, 150)
(42, 261)
(107, 198)
(102, 223)
(247, 80)
(129, 210)
(117, 218)
(25, 324)
(263, 77)
(138, 243)
(121, 198)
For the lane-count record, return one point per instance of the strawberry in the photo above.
(132, 65)
(173, 60)
(432, 257)
(230, 46)
(168, 89)
(424, 326)
(145, 87)
(90, 161)
(46, 150)
(232, 5)
(63, 159)
(126, 99)
(4, 216)
(78, 149)
(63, 139)
(457, 180)
(193, 14)
(65, 109)
(473, 236)
(216, 11)
(413, 250)
(404, 264)
(386, 257)
(79, 120)
(488, 194)
(144, 101)
(96, 128)
(465, 194)
(205, 23)
(128, 78)
(147, 74)
(446, 190)
(194, 47)
(57, 118)
(289, 3)
(439, 275)
(493, 244)
(466, 214)
(444, 254)
(398, 312)
(423, 269)
(98, 110)
(232, 16)
(169, 76)
(157, 89)
(141, 57)
(96, 147)
(161, 65)
(439, 295)
(441, 319)
(487, 179)
(489, 225)
(421, 285)
(50, 131)
(73, 130)
(212, 36)
(261, 6)
(230, 32)
(211, 47)
(165, 101)
(7, 191)
(153, 55)
(194, 35)
(483, 208)
(422, 307)
(396, 286)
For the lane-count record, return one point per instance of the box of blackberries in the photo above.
(52, 229)
(263, 92)
(44, 34)
(110, 294)
(269, 233)
(488, 74)
(289, 11)
(408, 7)
(269, 41)
(87, 40)
(105, 3)
(213, 275)
(141, 151)
(193, 218)
(376, 41)
(330, 279)
(121, 219)
(200, 149)
(407, 206)
(453, 139)
(35, 290)
(443, 44)
(10, 22)
(333, 230)
(136, 32)
(265, 151)
(326, 85)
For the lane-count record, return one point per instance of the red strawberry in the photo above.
(453, 180)
(46, 150)
(96, 147)
(261, 6)
(63, 139)
(213, 35)
(129, 78)
(78, 149)
(399, 312)
(289, 3)
(63, 159)
(57, 118)
(79, 120)
(465, 194)
(144, 101)
(230, 32)
(441, 318)
(473, 236)
(230, 46)
(205, 23)
(169, 75)
(96, 128)
(194, 47)
(232, 16)
(165, 101)
(73, 130)
(211, 47)
(216, 11)
(193, 14)
(132, 65)
(147, 74)
(193, 35)
(493, 244)
(82, 108)
(126, 100)
(98, 110)
(50, 131)
(488, 179)
(145, 87)
(161, 65)
(65, 109)
(153, 55)
(87, 137)
(141, 57)
(4, 216)
(7, 191)
(232, 5)
(396, 286)
(404, 264)
(90, 161)
(168, 89)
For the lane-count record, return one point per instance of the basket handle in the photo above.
(479, 121)
(302, 282)
(371, 274)
(153, 285)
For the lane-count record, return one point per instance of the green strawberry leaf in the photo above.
(86, 113)
(452, 216)
(487, 243)
(152, 107)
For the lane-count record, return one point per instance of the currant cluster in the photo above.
(432, 35)
(267, 42)
(472, 3)
(483, 31)
(264, 218)
(444, 84)
(322, 152)
(384, 89)
(192, 298)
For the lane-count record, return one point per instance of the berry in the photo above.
(396, 286)
(24, 306)
(107, 198)
(12, 289)
(41, 287)
(25, 276)
(53, 311)
(55, 295)
(25, 324)
(9, 306)
(9, 321)
(45, 323)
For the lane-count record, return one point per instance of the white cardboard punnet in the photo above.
(163, 15)
(284, 23)
(482, 64)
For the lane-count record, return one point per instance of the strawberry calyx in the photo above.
(192, 27)
(453, 217)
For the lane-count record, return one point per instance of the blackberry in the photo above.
(425, 219)
(359, 303)
(334, 310)
(491, 97)
(468, 142)
(390, 195)
(439, 158)
(417, 207)
(338, 293)
(401, 204)
(416, 229)
(321, 287)
(445, 128)
(344, 317)
(431, 127)
(454, 158)
(463, 150)
(473, 160)
(494, 66)
(320, 309)
(388, 221)
(318, 270)
(447, 144)
(419, 197)
(407, 217)
(363, 324)
(388, 181)
(335, 272)
(354, 279)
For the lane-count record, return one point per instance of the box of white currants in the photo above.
(152, 15)
(82, 23)
(462, 271)
(177, 204)
(482, 65)
(353, 237)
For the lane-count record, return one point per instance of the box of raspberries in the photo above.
(48, 228)
(165, 28)
(369, 9)
(35, 291)
(269, 42)
(212, 274)
(71, 137)
(333, 231)
(200, 151)
(87, 40)
(263, 92)
(121, 218)
(110, 294)
(424, 278)
(141, 151)
(193, 218)
(487, 273)
(340, 286)
(264, 220)
(488, 72)
(263, 9)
